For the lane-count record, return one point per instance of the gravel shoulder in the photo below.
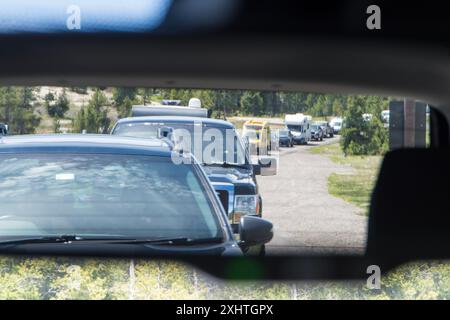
(306, 218)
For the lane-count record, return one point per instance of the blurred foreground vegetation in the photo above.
(55, 278)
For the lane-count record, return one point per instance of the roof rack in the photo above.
(168, 110)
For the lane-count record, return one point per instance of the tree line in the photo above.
(17, 109)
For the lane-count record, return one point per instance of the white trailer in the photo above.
(299, 124)
(336, 124)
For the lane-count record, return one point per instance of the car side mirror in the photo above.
(256, 169)
(254, 231)
(269, 165)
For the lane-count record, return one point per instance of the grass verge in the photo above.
(354, 187)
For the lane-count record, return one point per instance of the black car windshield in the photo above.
(208, 142)
(109, 195)
(284, 133)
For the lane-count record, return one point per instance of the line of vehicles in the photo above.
(300, 129)
(135, 187)
(167, 180)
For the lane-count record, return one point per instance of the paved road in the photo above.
(306, 218)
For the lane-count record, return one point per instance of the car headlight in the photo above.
(245, 205)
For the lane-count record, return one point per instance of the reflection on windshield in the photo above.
(135, 196)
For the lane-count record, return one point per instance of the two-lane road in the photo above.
(306, 218)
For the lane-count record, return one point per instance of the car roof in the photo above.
(177, 119)
(91, 143)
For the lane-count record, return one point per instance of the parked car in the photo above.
(316, 132)
(231, 172)
(78, 194)
(327, 129)
(336, 124)
(286, 138)
(3, 129)
(385, 116)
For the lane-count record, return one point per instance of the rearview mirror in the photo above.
(255, 231)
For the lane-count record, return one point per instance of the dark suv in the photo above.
(230, 170)
(286, 138)
(317, 132)
(327, 129)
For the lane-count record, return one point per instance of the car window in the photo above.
(215, 140)
(117, 195)
(142, 130)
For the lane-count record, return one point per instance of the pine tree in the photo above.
(251, 103)
(119, 94)
(58, 108)
(124, 109)
(364, 137)
(338, 108)
(94, 118)
(16, 110)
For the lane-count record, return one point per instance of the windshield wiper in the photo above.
(67, 239)
(171, 241)
(56, 239)
(227, 165)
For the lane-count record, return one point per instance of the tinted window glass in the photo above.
(83, 194)
(185, 134)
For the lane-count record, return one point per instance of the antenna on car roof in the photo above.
(195, 103)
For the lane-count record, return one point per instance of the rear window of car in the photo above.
(103, 194)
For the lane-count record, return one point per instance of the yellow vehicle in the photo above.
(258, 134)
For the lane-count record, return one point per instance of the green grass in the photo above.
(357, 185)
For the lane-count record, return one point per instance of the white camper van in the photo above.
(336, 124)
(299, 124)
